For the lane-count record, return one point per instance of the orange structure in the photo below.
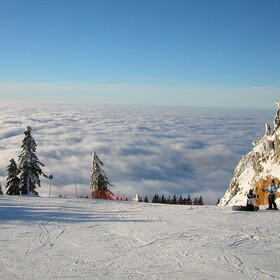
(263, 184)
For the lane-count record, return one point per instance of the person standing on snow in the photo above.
(271, 189)
(251, 197)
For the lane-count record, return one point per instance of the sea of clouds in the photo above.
(145, 149)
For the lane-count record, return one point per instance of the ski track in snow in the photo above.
(58, 238)
(48, 234)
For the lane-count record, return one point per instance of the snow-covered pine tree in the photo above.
(195, 201)
(163, 199)
(189, 200)
(155, 199)
(200, 201)
(1, 192)
(180, 200)
(29, 165)
(174, 199)
(98, 181)
(168, 200)
(13, 180)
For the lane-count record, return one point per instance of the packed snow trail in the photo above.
(57, 238)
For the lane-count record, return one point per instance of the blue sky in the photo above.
(203, 52)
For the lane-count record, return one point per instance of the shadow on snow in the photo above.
(61, 214)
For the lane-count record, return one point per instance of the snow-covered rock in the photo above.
(136, 198)
(256, 169)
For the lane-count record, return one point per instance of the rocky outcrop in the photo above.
(256, 169)
(277, 117)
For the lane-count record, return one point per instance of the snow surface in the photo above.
(61, 238)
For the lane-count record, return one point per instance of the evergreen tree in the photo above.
(200, 201)
(13, 180)
(195, 201)
(146, 199)
(163, 199)
(218, 201)
(1, 192)
(189, 200)
(29, 165)
(155, 199)
(180, 200)
(168, 200)
(99, 182)
(174, 199)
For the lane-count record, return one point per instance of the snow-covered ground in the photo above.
(58, 238)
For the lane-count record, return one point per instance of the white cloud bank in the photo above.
(145, 150)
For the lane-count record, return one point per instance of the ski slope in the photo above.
(61, 238)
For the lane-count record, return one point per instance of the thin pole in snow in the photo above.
(50, 189)
(50, 177)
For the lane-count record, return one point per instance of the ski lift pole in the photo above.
(50, 177)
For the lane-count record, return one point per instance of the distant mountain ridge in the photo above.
(256, 169)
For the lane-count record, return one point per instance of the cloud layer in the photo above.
(145, 150)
